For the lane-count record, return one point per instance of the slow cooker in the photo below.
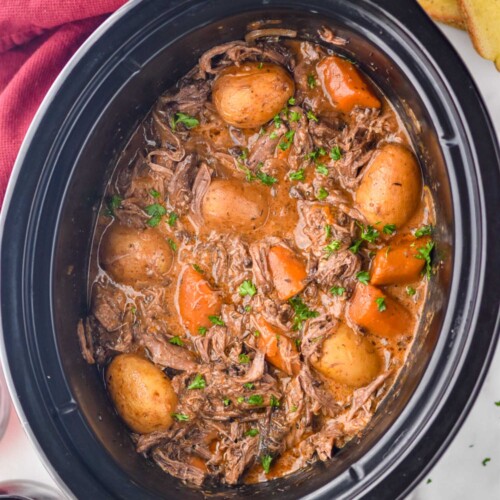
(59, 179)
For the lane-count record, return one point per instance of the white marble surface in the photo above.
(459, 474)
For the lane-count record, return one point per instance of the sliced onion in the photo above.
(253, 35)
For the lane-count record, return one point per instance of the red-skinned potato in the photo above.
(398, 264)
(142, 394)
(231, 204)
(196, 300)
(391, 188)
(249, 95)
(378, 313)
(135, 257)
(348, 358)
(344, 84)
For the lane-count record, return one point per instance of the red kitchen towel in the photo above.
(37, 38)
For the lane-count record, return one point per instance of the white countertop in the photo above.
(460, 473)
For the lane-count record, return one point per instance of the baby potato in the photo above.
(232, 205)
(249, 95)
(135, 257)
(348, 358)
(391, 188)
(141, 392)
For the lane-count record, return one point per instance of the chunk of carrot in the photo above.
(398, 264)
(344, 85)
(378, 313)
(288, 271)
(274, 344)
(196, 300)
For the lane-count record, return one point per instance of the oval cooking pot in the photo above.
(59, 180)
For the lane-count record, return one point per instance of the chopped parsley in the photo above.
(252, 432)
(226, 401)
(266, 461)
(389, 229)
(497, 403)
(277, 120)
(363, 277)
(249, 385)
(322, 169)
(424, 253)
(198, 382)
(256, 333)
(322, 194)
(328, 231)
(240, 400)
(299, 175)
(332, 247)
(273, 135)
(176, 340)
(244, 359)
(180, 417)
(172, 218)
(354, 248)
(247, 288)
(255, 399)
(313, 155)
(172, 243)
(335, 153)
(198, 269)
(337, 290)
(291, 101)
(380, 301)
(311, 81)
(424, 231)
(485, 461)
(154, 193)
(368, 233)
(429, 481)
(113, 203)
(311, 116)
(294, 116)
(302, 312)
(155, 212)
(216, 320)
(187, 120)
(202, 330)
(294, 408)
(287, 142)
(410, 291)
(260, 65)
(297, 343)
(268, 180)
(248, 309)
(274, 402)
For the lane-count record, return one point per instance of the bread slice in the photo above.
(482, 18)
(444, 11)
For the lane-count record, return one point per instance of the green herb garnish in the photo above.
(311, 81)
(176, 340)
(274, 401)
(311, 116)
(363, 277)
(485, 461)
(268, 180)
(252, 432)
(389, 229)
(198, 269)
(198, 382)
(188, 121)
(410, 291)
(322, 169)
(156, 212)
(424, 231)
(255, 399)
(249, 385)
(172, 243)
(294, 116)
(113, 203)
(299, 175)
(322, 194)
(332, 247)
(266, 461)
(247, 288)
(180, 417)
(244, 359)
(335, 153)
(154, 193)
(424, 253)
(226, 401)
(302, 312)
(172, 218)
(380, 301)
(202, 330)
(337, 290)
(216, 320)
